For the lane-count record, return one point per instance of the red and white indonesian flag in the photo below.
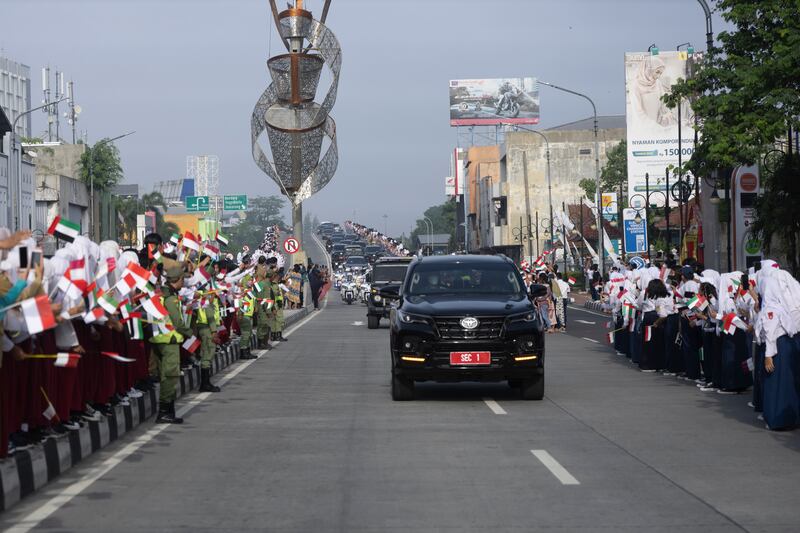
(77, 274)
(155, 308)
(200, 277)
(118, 357)
(64, 229)
(125, 285)
(610, 337)
(190, 241)
(211, 251)
(191, 344)
(648, 333)
(67, 360)
(139, 273)
(730, 322)
(571, 280)
(94, 315)
(38, 315)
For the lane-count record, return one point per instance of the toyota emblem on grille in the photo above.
(469, 322)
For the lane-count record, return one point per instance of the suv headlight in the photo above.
(408, 318)
(528, 316)
(376, 297)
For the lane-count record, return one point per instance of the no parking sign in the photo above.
(291, 245)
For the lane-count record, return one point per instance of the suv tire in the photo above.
(402, 388)
(533, 388)
(373, 321)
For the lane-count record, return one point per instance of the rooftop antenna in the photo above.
(74, 110)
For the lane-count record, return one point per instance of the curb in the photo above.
(27, 471)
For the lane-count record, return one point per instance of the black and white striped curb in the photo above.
(29, 470)
(594, 305)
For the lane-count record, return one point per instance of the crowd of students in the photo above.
(725, 332)
(95, 326)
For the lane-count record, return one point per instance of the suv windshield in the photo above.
(389, 273)
(371, 249)
(356, 260)
(464, 278)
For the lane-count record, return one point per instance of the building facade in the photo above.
(15, 93)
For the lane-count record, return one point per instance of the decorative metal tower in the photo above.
(295, 125)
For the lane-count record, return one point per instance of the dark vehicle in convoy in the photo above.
(465, 318)
(352, 249)
(356, 262)
(337, 254)
(386, 271)
(371, 252)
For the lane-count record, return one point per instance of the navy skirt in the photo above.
(758, 378)
(781, 405)
(735, 374)
(690, 345)
(707, 357)
(635, 339)
(652, 357)
(672, 350)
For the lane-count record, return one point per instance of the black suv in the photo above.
(386, 271)
(465, 318)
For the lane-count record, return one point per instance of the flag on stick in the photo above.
(191, 344)
(67, 360)
(571, 280)
(94, 315)
(155, 308)
(64, 229)
(697, 302)
(118, 357)
(211, 251)
(38, 315)
(610, 337)
(50, 412)
(190, 241)
(648, 333)
(222, 239)
(730, 322)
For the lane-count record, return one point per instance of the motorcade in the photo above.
(385, 271)
(351, 249)
(356, 262)
(465, 318)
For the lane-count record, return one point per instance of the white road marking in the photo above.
(358, 323)
(584, 310)
(555, 467)
(590, 340)
(65, 495)
(585, 322)
(494, 406)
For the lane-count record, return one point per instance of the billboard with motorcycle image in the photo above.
(487, 102)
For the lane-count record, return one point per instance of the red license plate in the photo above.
(470, 358)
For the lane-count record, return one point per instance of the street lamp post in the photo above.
(709, 29)
(429, 224)
(91, 177)
(17, 164)
(600, 252)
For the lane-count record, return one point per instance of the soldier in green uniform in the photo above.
(206, 321)
(276, 277)
(263, 315)
(167, 341)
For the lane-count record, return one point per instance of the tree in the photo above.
(443, 219)
(613, 176)
(262, 212)
(105, 164)
(746, 96)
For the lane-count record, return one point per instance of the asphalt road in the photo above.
(307, 438)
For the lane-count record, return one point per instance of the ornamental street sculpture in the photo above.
(295, 125)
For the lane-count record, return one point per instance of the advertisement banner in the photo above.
(610, 206)
(634, 233)
(487, 102)
(745, 190)
(652, 127)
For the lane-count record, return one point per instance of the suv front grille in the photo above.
(488, 328)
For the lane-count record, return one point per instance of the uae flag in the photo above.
(64, 229)
(610, 337)
(50, 412)
(108, 303)
(155, 308)
(175, 239)
(648, 333)
(118, 357)
(139, 273)
(258, 286)
(632, 324)
(190, 242)
(571, 280)
(211, 251)
(70, 289)
(38, 315)
(698, 302)
(222, 239)
(191, 344)
(67, 360)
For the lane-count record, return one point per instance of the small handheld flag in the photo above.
(64, 229)
(67, 360)
(571, 280)
(49, 413)
(648, 333)
(118, 357)
(38, 314)
(191, 344)
(155, 308)
(222, 239)
(610, 337)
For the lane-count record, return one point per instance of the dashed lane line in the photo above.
(590, 340)
(555, 467)
(494, 406)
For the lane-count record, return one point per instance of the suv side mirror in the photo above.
(537, 291)
(390, 292)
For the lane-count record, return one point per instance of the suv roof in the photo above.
(465, 258)
(393, 261)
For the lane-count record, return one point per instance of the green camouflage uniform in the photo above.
(167, 346)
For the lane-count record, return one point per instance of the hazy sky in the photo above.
(185, 75)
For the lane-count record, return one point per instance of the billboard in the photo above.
(487, 102)
(652, 127)
(610, 206)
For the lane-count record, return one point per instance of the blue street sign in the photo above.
(635, 234)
